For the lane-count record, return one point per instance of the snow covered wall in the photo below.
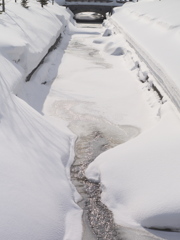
(153, 28)
(37, 198)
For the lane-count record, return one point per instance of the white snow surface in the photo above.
(140, 178)
(37, 198)
(153, 27)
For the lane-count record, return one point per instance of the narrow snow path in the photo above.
(92, 89)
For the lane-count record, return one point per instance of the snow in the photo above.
(152, 27)
(93, 63)
(73, 93)
(140, 178)
(37, 197)
(147, 170)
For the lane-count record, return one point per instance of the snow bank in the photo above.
(34, 31)
(140, 178)
(153, 27)
(37, 199)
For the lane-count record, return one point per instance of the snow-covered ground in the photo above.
(94, 88)
(153, 28)
(140, 177)
(37, 198)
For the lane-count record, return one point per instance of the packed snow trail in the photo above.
(99, 98)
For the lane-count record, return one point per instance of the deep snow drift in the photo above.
(140, 178)
(153, 28)
(36, 195)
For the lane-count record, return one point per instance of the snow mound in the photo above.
(107, 32)
(153, 28)
(113, 48)
(37, 198)
(118, 51)
(139, 178)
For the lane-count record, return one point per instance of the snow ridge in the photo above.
(37, 198)
(152, 27)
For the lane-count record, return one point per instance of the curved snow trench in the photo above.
(95, 134)
(72, 97)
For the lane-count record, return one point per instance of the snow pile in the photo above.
(153, 28)
(36, 194)
(140, 178)
(34, 31)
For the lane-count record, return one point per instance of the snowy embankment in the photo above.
(140, 178)
(153, 28)
(37, 198)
